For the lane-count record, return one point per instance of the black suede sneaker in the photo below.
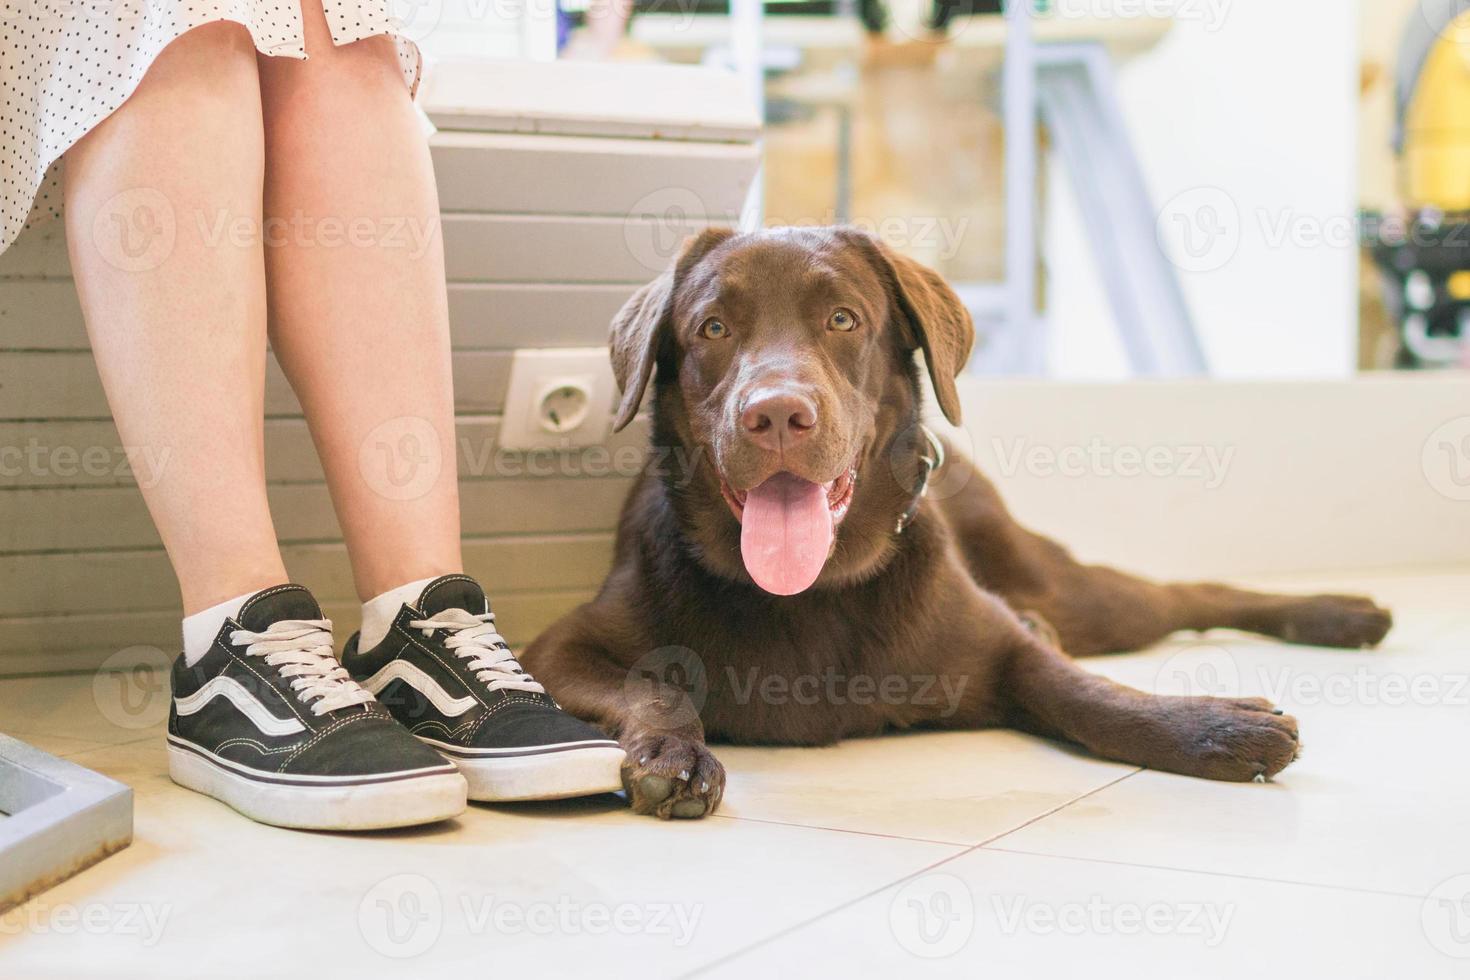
(269, 722)
(450, 678)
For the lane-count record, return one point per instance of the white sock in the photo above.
(379, 611)
(201, 628)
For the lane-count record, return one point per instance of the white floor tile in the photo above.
(1322, 873)
(1376, 801)
(958, 787)
(107, 708)
(550, 890)
(1002, 916)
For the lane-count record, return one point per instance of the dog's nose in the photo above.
(776, 418)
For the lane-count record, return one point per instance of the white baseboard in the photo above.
(1211, 478)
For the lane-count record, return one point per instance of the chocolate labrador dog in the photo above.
(781, 576)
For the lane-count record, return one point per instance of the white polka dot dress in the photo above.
(65, 65)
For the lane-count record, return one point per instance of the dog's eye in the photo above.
(713, 330)
(843, 320)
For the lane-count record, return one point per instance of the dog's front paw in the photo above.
(672, 776)
(1346, 621)
(1234, 739)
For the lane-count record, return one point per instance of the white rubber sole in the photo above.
(404, 801)
(553, 773)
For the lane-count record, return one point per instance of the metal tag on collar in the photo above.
(928, 465)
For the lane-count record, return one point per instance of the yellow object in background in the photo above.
(1458, 285)
(1436, 162)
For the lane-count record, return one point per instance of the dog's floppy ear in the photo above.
(936, 320)
(633, 343)
(638, 329)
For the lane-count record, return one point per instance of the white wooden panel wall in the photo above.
(545, 237)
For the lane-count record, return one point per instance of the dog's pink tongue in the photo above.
(785, 533)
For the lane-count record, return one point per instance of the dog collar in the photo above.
(928, 465)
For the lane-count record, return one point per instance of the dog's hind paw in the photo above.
(672, 776)
(1346, 621)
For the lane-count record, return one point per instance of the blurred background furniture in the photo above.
(1055, 70)
(1421, 245)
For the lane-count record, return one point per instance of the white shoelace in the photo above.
(474, 639)
(302, 650)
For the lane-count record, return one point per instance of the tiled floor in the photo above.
(955, 854)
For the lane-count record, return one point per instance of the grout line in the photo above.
(313, 482)
(1061, 806)
(117, 745)
(497, 537)
(1396, 572)
(31, 675)
(1388, 893)
(1056, 809)
(838, 830)
(728, 957)
(29, 737)
(175, 612)
(94, 745)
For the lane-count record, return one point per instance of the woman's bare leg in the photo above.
(358, 311)
(176, 312)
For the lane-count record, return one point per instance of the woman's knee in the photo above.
(204, 81)
(368, 58)
(211, 67)
(207, 54)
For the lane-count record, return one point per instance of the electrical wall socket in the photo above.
(559, 398)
